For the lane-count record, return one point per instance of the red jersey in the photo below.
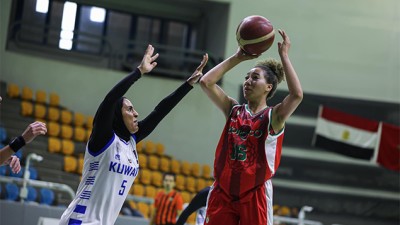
(248, 152)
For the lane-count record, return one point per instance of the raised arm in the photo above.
(102, 125)
(284, 110)
(209, 81)
(148, 124)
(31, 132)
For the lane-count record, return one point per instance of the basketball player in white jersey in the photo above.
(111, 161)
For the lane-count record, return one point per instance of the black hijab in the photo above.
(118, 122)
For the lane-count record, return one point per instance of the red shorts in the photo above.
(256, 211)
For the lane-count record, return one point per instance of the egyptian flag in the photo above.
(346, 134)
(389, 147)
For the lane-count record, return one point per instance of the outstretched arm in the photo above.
(102, 126)
(283, 110)
(209, 81)
(198, 201)
(31, 132)
(148, 124)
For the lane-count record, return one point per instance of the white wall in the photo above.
(339, 48)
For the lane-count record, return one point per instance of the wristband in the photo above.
(17, 143)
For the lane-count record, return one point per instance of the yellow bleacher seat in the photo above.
(54, 145)
(66, 131)
(53, 129)
(70, 163)
(149, 147)
(40, 111)
(157, 178)
(180, 182)
(79, 119)
(195, 169)
(137, 189)
(54, 99)
(190, 184)
(89, 122)
(144, 208)
(27, 94)
(80, 165)
(145, 176)
(68, 147)
(12, 90)
(132, 204)
(26, 108)
(88, 133)
(206, 171)
(175, 166)
(139, 147)
(186, 196)
(200, 184)
(142, 161)
(186, 168)
(53, 114)
(191, 219)
(209, 181)
(160, 149)
(165, 164)
(79, 134)
(41, 97)
(150, 191)
(154, 162)
(66, 116)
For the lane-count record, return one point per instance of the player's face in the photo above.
(130, 116)
(169, 182)
(255, 87)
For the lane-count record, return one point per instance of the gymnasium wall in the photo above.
(339, 48)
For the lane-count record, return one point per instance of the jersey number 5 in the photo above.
(122, 190)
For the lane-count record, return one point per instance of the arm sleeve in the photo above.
(102, 125)
(148, 124)
(198, 201)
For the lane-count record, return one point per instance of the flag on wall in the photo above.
(346, 134)
(389, 147)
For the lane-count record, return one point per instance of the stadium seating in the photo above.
(70, 164)
(154, 162)
(13, 91)
(186, 168)
(160, 149)
(79, 119)
(54, 145)
(206, 171)
(175, 166)
(26, 108)
(195, 170)
(46, 196)
(53, 114)
(66, 117)
(11, 192)
(150, 191)
(41, 97)
(165, 164)
(27, 94)
(144, 208)
(39, 111)
(157, 178)
(32, 194)
(54, 99)
(3, 134)
(143, 161)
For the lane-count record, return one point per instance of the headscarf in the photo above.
(118, 122)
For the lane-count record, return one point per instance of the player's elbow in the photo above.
(205, 83)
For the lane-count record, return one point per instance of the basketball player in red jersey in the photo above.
(249, 149)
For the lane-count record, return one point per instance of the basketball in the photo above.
(255, 34)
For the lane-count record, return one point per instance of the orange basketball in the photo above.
(255, 34)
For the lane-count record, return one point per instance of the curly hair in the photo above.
(274, 73)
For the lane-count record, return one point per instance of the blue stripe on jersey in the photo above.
(93, 166)
(80, 209)
(85, 195)
(90, 180)
(104, 148)
(74, 222)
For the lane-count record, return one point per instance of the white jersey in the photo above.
(106, 180)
